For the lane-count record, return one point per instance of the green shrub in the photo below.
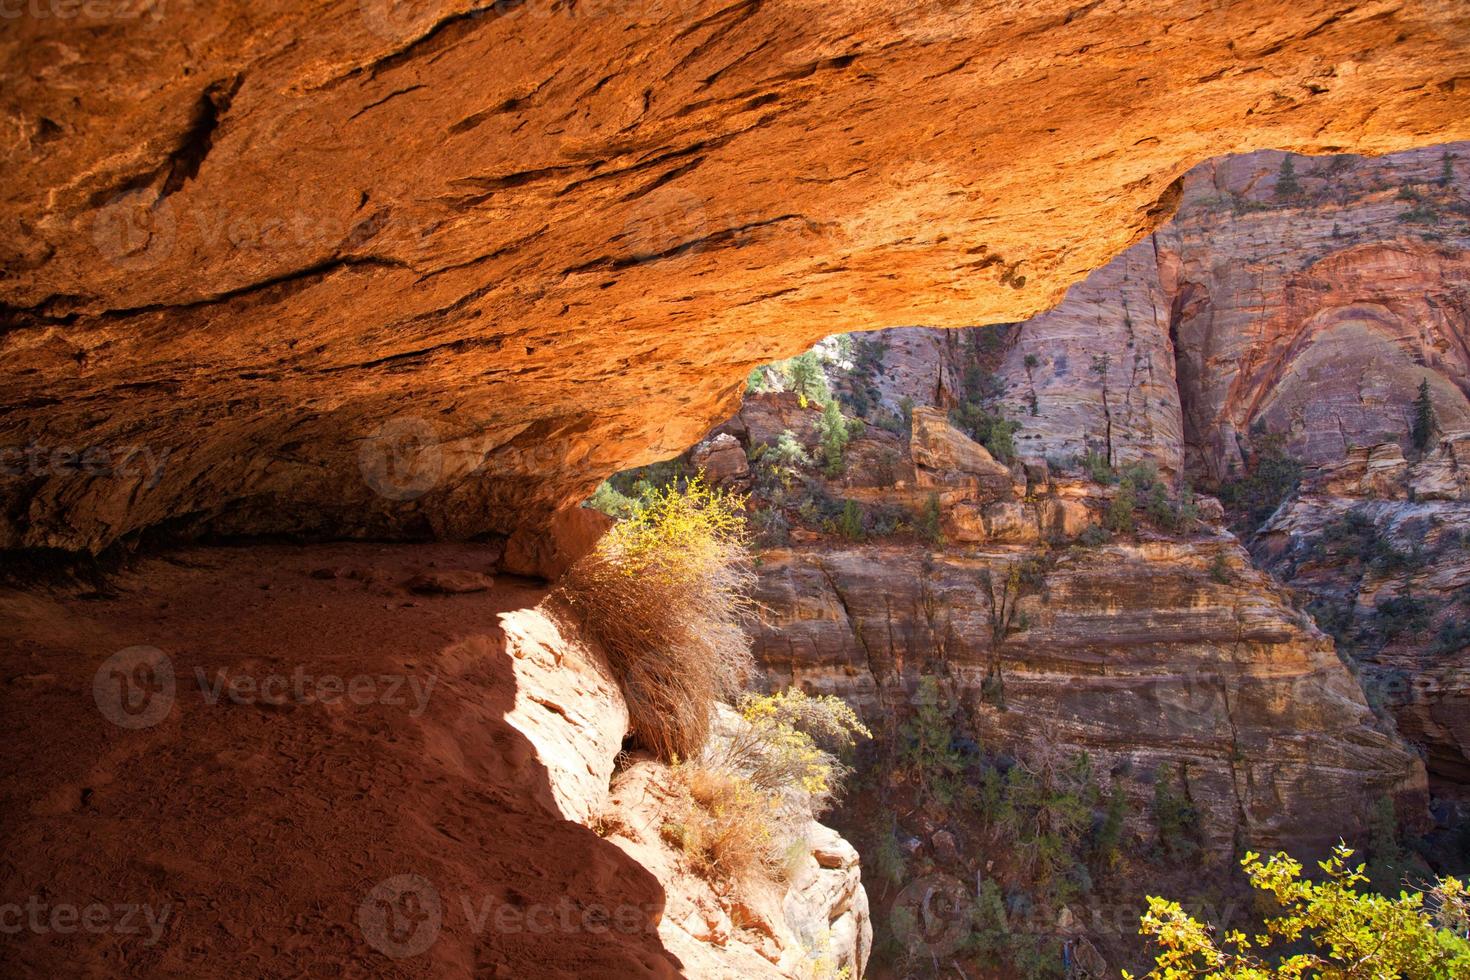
(1175, 817)
(612, 503)
(851, 523)
(1325, 929)
(805, 376)
(787, 451)
(1425, 423)
(929, 755)
(1220, 569)
(1119, 517)
(1271, 477)
(1093, 536)
(929, 524)
(835, 433)
(1098, 468)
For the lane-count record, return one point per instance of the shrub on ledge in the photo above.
(666, 594)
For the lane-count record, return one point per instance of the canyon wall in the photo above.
(373, 269)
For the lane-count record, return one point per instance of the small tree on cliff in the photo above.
(1426, 424)
(835, 433)
(1287, 187)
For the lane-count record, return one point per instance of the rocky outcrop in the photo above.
(401, 781)
(1138, 654)
(368, 269)
(1315, 312)
(1380, 545)
(813, 923)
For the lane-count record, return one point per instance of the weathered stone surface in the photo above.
(1416, 548)
(1135, 653)
(493, 252)
(722, 460)
(1318, 314)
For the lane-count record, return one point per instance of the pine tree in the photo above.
(1286, 183)
(1425, 422)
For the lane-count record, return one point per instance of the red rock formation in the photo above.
(344, 778)
(493, 252)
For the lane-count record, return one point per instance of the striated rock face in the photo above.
(1382, 546)
(368, 269)
(1135, 653)
(1317, 314)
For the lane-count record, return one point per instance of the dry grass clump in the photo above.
(728, 830)
(666, 593)
(785, 744)
(760, 780)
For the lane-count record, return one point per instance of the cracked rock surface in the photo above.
(433, 270)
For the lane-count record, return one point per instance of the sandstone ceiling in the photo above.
(436, 268)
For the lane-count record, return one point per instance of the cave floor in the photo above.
(327, 730)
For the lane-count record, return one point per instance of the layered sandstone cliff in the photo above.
(1156, 650)
(367, 268)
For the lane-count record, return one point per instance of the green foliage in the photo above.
(929, 756)
(1098, 468)
(1386, 856)
(886, 860)
(991, 429)
(1271, 476)
(787, 452)
(1287, 186)
(1328, 929)
(805, 376)
(1119, 517)
(1107, 844)
(1425, 424)
(858, 390)
(1401, 614)
(612, 503)
(835, 433)
(929, 524)
(1220, 569)
(1093, 536)
(1175, 817)
(851, 523)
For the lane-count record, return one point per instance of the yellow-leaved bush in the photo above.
(666, 593)
(1347, 933)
